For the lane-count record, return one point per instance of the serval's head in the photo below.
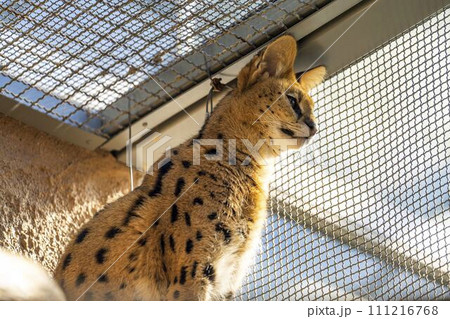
(269, 103)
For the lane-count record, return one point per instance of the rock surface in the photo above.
(48, 189)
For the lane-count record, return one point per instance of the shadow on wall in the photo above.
(48, 189)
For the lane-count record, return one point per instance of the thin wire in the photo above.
(209, 99)
(130, 153)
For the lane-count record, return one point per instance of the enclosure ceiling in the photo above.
(86, 63)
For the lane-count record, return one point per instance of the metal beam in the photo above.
(45, 123)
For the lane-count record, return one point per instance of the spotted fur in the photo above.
(189, 232)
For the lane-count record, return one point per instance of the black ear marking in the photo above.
(298, 75)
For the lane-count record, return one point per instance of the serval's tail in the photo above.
(22, 279)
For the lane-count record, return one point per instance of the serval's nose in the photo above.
(312, 126)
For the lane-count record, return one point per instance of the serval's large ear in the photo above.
(277, 60)
(311, 78)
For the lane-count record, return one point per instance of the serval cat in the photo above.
(190, 232)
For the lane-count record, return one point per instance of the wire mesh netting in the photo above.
(363, 213)
(88, 62)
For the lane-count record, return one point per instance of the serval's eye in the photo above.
(294, 105)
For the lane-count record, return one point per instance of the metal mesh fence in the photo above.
(363, 213)
(88, 62)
